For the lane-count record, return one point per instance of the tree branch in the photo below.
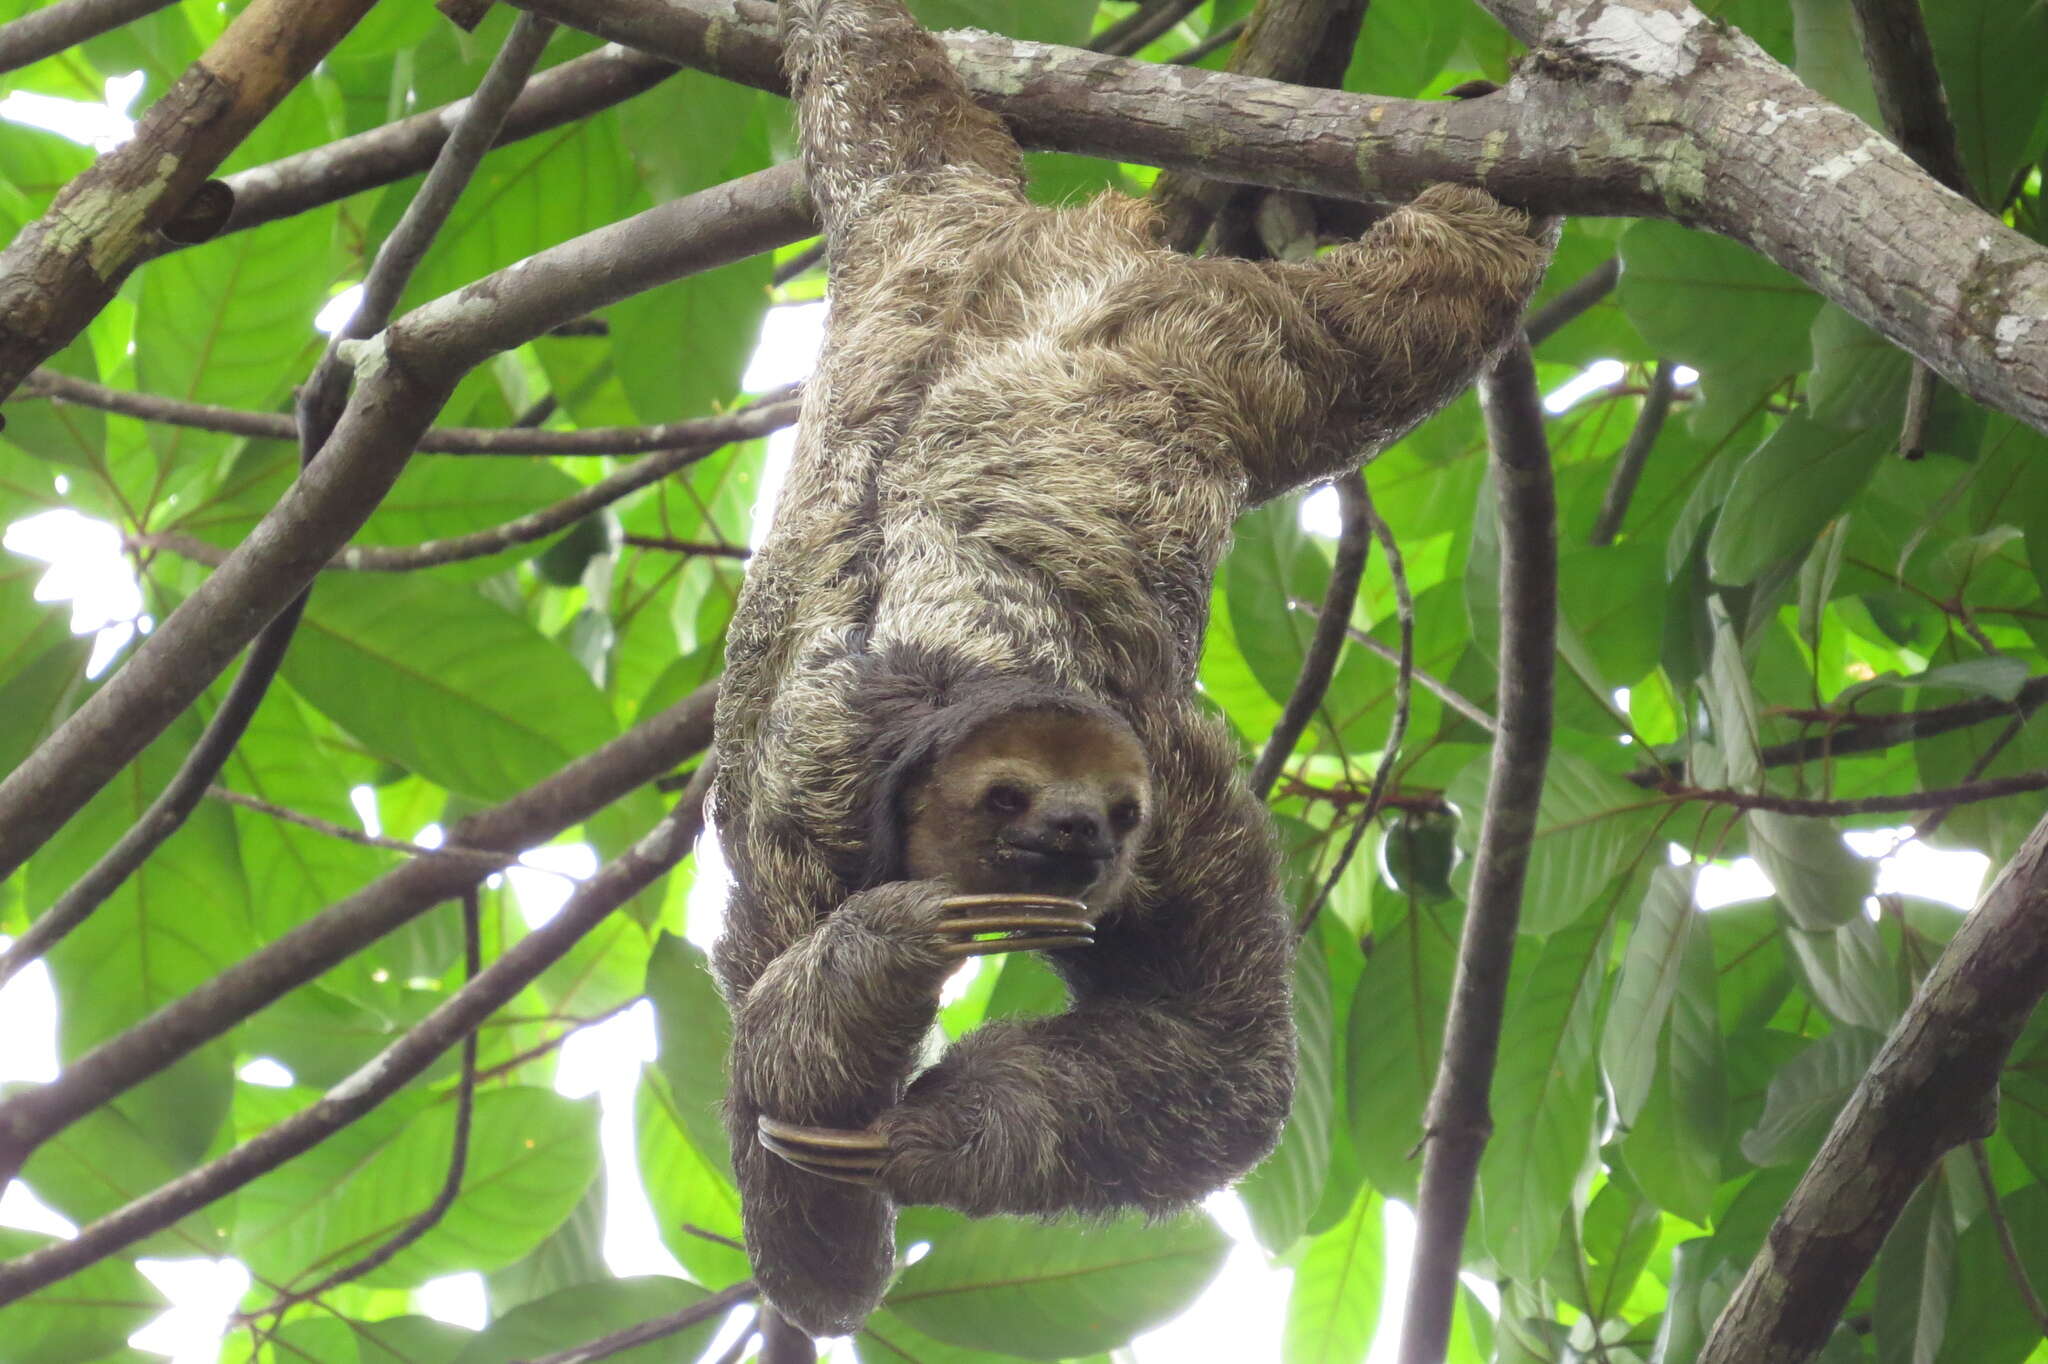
(1319, 664)
(1969, 793)
(1875, 733)
(388, 1072)
(1628, 470)
(1932, 1087)
(67, 265)
(1136, 30)
(492, 861)
(405, 374)
(47, 31)
(572, 795)
(438, 440)
(1573, 300)
(1591, 135)
(1459, 1119)
(642, 473)
(618, 1342)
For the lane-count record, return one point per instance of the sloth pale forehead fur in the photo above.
(1037, 748)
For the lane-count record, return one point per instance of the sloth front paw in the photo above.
(977, 925)
(850, 1155)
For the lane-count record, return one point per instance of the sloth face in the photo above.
(1035, 801)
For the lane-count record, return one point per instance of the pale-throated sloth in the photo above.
(1019, 463)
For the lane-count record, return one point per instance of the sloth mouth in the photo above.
(1039, 867)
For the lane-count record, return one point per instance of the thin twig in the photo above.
(1431, 683)
(495, 861)
(535, 1052)
(1326, 645)
(1969, 793)
(1136, 30)
(1572, 300)
(319, 408)
(801, 262)
(438, 440)
(738, 1349)
(660, 1328)
(496, 539)
(1938, 816)
(1628, 470)
(1458, 1120)
(458, 1157)
(1875, 733)
(1360, 505)
(1216, 41)
(708, 548)
(2013, 1263)
(704, 1234)
(47, 31)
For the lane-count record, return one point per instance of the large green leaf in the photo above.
(1271, 566)
(1712, 304)
(1786, 492)
(1674, 1148)
(531, 1155)
(1395, 1038)
(1542, 1099)
(575, 1316)
(1806, 1094)
(1587, 824)
(437, 678)
(1915, 1278)
(1988, 1322)
(1632, 1041)
(1333, 1306)
(1051, 1290)
(80, 1318)
(1984, 50)
(1283, 1192)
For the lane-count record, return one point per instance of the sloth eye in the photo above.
(1004, 799)
(1124, 815)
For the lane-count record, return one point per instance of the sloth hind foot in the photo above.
(850, 1155)
(1021, 923)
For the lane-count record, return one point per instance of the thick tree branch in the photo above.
(572, 795)
(404, 375)
(1933, 1086)
(388, 1072)
(1459, 1119)
(65, 266)
(1659, 112)
(438, 440)
(47, 31)
(1304, 42)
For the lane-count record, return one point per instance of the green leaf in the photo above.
(436, 678)
(1285, 1189)
(531, 1155)
(1821, 883)
(1271, 566)
(1987, 1321)
(578, 1315)
(1333, 1306)
(573, 1254)
(1805, 1095)
(1395, 1037)
(693, 1032)
(1051, 1290)
(1619, 1236)
(1543, 1099)
(1632, 1041)
(1830, 57)
(1983, 48)
(42, 664)
(1848, 972)
(441, 497)
(1712, 304)
(1674, 1148)
(80, 1318)
(1043, 21)
(687, 1187)
(1915, 1278)
(1785, 494)
(1587, 822)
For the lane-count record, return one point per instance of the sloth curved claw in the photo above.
(850, 1155)
(1026, 923)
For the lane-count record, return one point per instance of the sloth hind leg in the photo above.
(1105, 1107)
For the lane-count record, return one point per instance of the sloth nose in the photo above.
(1076, 829)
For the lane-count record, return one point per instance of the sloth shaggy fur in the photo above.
(1019, 463)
